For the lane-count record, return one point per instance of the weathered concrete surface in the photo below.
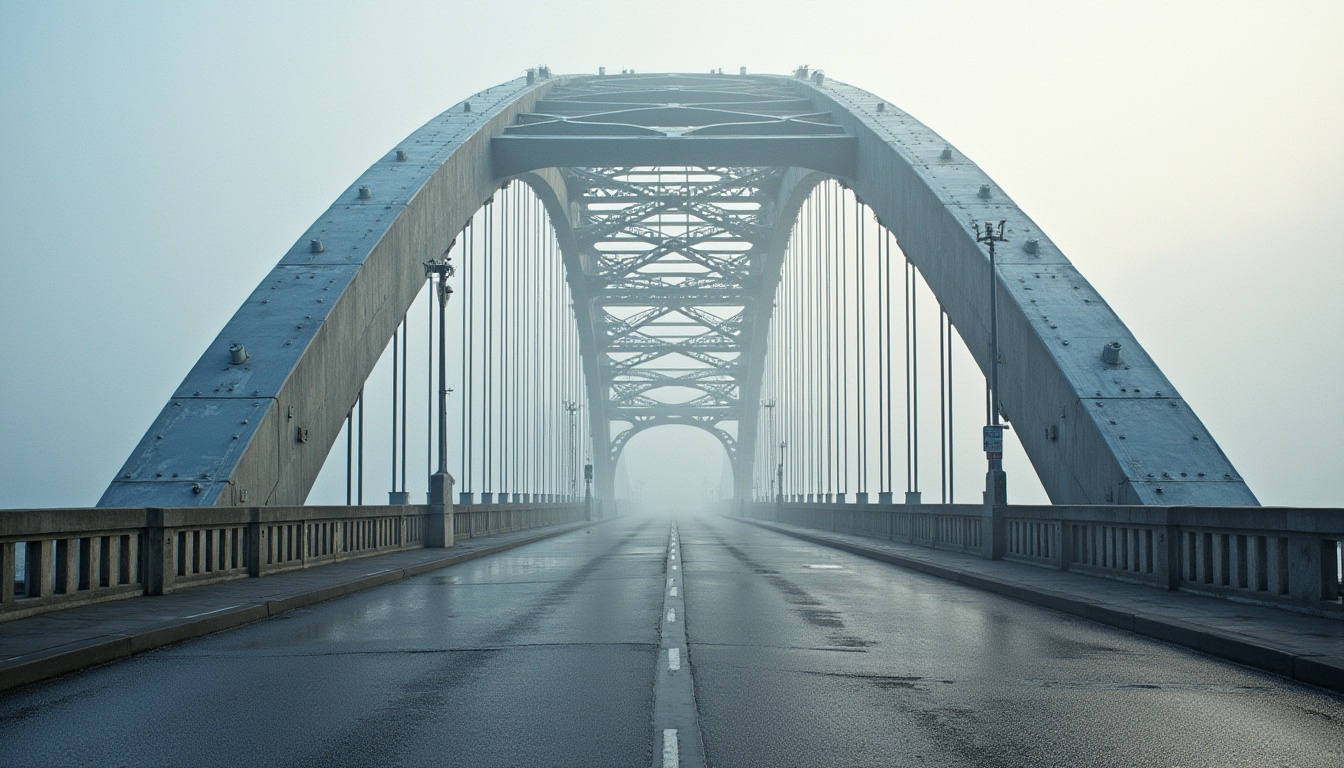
(1096, 433)
(317, 324)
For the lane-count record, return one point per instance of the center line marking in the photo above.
(673, 659)
(673, 592)
(670, 582)
(670, 758)
(671, 615)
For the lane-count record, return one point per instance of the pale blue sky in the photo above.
(156, 159)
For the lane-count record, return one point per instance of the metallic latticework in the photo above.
(673, 258)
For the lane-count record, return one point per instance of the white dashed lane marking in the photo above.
(674, 713)
(670, 759)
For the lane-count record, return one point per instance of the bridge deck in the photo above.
(798, 653)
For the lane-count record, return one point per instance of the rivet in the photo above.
(158, 437)
(158, 474)
(195, 487)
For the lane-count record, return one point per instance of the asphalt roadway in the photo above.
(649, 642)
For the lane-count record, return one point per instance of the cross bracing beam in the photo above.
(747, 149)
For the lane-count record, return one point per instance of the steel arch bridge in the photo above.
(672, 197)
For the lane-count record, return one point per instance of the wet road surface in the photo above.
(630, 643)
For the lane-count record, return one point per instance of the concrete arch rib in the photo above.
(259, 432)
(1095, 433)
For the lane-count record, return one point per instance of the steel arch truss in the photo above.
(674, 199)
(672, 264)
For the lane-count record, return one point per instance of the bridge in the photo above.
(563, 264)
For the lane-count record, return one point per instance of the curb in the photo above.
(1315, 670)
(45, 665)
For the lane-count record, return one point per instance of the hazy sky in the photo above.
(156, 159)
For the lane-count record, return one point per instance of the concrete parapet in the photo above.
(54, 559)
(1277, 556)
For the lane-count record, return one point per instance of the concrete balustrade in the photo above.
(1279, 556)
(941, 526)
(58, 558)
(490, 519)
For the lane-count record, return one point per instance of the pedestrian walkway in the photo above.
(1297, 645)
(50, 644)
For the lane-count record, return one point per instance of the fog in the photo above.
(157, 159)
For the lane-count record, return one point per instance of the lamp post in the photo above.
(440, 528)
(996, 481)
(588, 489)
(572, 408)
(769, 405)
(779, 474)
(444, 269)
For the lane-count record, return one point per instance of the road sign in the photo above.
(994, 441)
